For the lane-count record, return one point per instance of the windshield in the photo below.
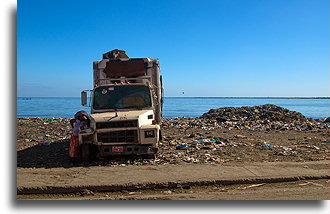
(121, 97)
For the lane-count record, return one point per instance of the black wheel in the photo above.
(160, 135)
(149, 156)
(86, 153)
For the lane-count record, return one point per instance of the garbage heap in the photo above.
(265, 112)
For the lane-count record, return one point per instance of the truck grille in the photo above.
(117, 124)
(129, 136)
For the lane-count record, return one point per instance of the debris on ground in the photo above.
(251, 186)
(247, 134)
(308, 182)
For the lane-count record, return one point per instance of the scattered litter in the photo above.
(251, 186)
(267, 145)
(181, 146)
(315, 147)
(168, 192)
(308, 182)
(240, 136)
(200, 140)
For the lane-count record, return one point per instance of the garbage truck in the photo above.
(126, 107)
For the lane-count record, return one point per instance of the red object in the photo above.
(129, 68)
(117, 149)
(74, 149)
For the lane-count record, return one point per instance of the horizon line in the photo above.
(211, 97)
(201, 97)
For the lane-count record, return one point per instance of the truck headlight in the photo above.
(149, 134)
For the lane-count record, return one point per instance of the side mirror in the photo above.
(83, 98)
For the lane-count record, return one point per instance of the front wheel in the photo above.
(149, 156)
(160, 135)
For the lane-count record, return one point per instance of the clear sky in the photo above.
(206, 48)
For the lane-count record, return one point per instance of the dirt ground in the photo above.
(43, 143)
(297, 190)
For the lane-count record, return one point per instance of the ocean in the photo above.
(66, 107)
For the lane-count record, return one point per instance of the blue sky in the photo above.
(206, 48)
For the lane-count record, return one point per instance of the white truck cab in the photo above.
(126, 107)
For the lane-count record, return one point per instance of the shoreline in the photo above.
(187, 107)
(164, 118)
(201, 97)
(248, 97)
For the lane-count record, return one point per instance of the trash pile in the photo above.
(41, 131)
(186, 123)
(216, 136)
(263, 117)
(246, 134)
(267, 112)
(235, 124)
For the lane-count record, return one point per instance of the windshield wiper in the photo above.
(116, 115)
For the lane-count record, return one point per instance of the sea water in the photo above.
(66, 107)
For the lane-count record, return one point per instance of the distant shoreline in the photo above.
(30, 98)
(248, 97)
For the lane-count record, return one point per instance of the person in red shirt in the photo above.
(80, 122)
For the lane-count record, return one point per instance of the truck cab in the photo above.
(126, 107)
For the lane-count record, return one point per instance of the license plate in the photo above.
(117, 149)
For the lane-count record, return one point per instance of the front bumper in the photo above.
(115, 150)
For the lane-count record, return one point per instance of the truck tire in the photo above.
(149, 156)
(160, 135)
(86, 153)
